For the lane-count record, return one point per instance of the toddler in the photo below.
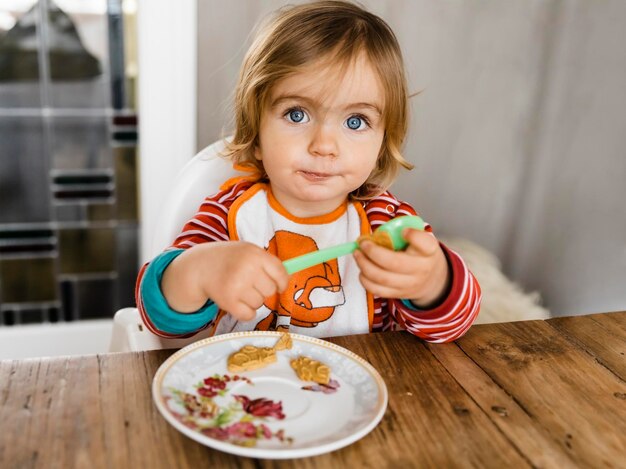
(320, 119)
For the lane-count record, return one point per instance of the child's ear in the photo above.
(257, 152)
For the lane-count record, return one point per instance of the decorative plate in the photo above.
(269, 412)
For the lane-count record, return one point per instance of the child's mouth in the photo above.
(313, 176)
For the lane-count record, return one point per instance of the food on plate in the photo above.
(308, 369)
(250, 358)
(284, 343)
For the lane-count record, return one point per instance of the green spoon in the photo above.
(392, 230)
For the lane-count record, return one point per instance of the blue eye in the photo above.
(355, 123)
(296, 115)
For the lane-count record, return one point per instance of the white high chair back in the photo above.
(199, 178)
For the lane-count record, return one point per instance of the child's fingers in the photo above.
(275, 269)
(382, 282)
(245, 304)
(252, 298)
(395, 261)
(379, 255)
(242, 312)
(265, 285)
(420, 242)
(383, 291)
(375, 272)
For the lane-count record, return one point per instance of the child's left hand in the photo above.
(420, 273)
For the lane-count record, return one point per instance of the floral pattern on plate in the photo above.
(240, 422)
(269, 413)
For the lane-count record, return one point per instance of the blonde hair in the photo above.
(301, 35)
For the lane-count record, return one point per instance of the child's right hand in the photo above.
(238, 276)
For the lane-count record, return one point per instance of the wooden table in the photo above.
(536, 393)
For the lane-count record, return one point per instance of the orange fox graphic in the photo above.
(312, 294)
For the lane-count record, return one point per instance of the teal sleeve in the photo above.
(410, 305)
(155, 305)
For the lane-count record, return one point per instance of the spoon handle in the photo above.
(305, 261)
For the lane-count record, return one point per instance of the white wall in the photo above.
(166, 48)
(571, 240)
(517, 137)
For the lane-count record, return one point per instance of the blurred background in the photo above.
(68, 141)
(517, 135)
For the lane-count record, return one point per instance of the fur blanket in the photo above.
(503, 300)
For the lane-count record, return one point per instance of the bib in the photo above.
(324, 300)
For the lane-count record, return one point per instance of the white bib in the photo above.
(322, 301)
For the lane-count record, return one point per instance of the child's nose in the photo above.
(323, 141)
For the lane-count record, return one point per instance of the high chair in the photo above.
(200, 177)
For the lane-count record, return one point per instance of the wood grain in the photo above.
(518, 394)
(528, 436)
(558, 385)
(602, 336)
(614, 322)
(47, 421)
(422, 392)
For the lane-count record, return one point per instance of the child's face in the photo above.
(320, 136)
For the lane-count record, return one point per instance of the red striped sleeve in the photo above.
(448, 321)
(209, 224)
(452, 318)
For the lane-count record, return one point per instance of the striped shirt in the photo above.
(445, 322)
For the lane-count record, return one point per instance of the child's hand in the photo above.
(420, 273)
(237, 276)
